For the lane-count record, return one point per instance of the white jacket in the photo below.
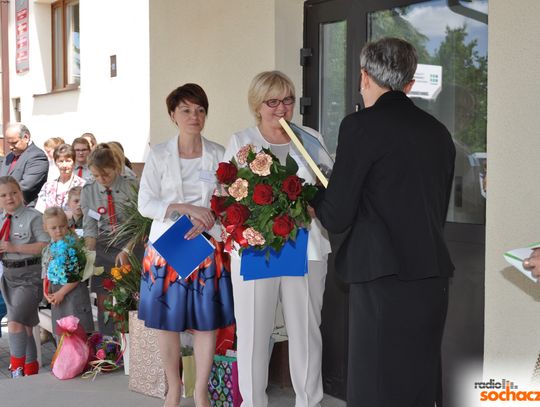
(318, 244)
(161, 182)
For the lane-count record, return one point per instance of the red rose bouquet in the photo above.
(261, 203)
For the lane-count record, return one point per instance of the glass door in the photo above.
(451, 84)
(327, 100)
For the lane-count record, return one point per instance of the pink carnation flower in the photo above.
(241, 155)
(253, 237)
(261, 164)
(239, 189)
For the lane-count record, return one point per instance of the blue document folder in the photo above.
(183, 255)
(290, 261)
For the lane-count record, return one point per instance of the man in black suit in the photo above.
(389, 191)
(26, 162)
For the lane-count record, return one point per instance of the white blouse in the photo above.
(190, 169)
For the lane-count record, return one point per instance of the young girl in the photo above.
(102, 203)
(61, 272)
(22, 239)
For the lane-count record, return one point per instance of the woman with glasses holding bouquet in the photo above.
(271, 97)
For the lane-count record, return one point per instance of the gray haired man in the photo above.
(26, 162)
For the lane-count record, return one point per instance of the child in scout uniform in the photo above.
(82, 149)
(102, 203)
(62, 269)
(75, 217)
(22, 239)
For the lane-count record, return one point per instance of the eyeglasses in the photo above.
(289, 100)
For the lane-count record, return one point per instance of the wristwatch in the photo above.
(174, 216)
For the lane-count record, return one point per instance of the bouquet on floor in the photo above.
(260, 203)
(106, 355)
(124, 287)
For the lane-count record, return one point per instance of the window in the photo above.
(66, 48)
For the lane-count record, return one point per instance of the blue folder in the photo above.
(290, 261)
(183, 255)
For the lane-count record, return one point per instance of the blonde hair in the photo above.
(118, 151)
(54, 212)
(92, 142)
(74, 191)
(104, 156)
(268, 85)
(53, 142)
(8, 179)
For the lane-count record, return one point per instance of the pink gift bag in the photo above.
(72, 353)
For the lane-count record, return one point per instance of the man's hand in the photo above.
(532, 263)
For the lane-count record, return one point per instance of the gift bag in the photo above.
(223, 382)
(146, 374)
(189, 374)
(225, 339)
(72, 353)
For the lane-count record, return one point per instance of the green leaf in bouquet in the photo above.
(245, 173)
(277, 243)
(296, 209)
(309, 191)
(250, 156)
(135, 228)
(291, 165)
(293, 234)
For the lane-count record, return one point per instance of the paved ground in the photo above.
(111, 389)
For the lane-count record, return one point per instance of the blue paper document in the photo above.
(290, 261)
(183, 255)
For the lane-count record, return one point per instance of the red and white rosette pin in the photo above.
(101, 210)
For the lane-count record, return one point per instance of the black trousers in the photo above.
(395, 334)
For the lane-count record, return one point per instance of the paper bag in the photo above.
(146, 374)
(223, 382)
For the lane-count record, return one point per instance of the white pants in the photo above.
(255, 305)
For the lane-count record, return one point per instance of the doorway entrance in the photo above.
(451, 84)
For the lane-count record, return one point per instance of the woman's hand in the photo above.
(532, 263)
(199, 213)
(202, 215)
(196, 230)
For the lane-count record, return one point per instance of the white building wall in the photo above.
(512, 311)
(159, 44)
(221, 45)
(111, 108)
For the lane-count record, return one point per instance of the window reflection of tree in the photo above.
(456, 107)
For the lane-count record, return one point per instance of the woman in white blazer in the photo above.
(271, 96)
(179, 179)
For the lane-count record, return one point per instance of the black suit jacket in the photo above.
(389, 190)
(30, 171)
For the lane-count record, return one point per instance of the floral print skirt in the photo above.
(203, 301)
